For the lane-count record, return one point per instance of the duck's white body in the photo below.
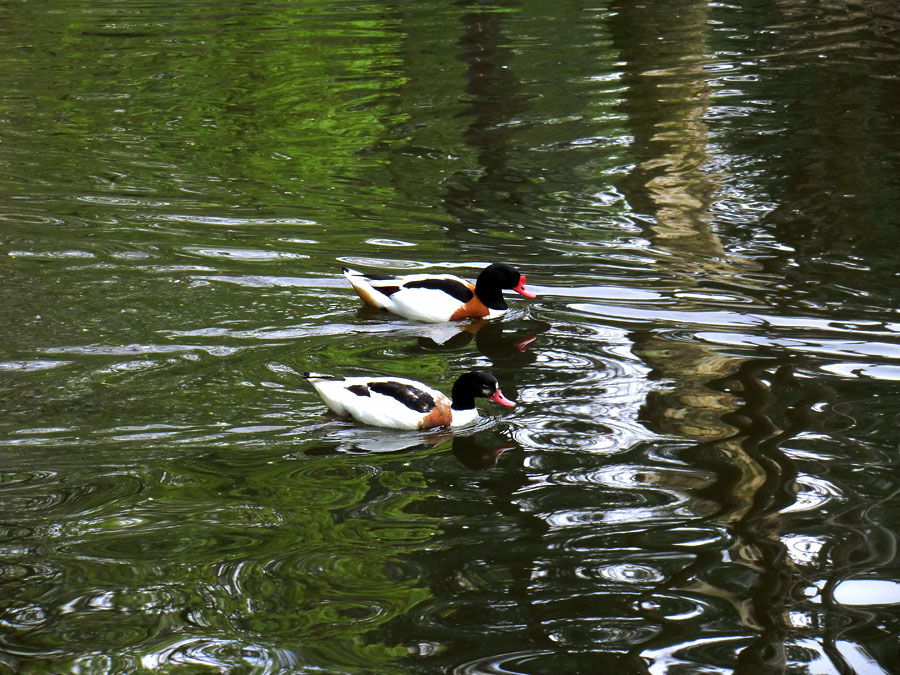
(383, 410)
(400, 403)
(430, 305)
(439, 297)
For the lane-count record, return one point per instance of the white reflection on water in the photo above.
(803, 549)
(877, 372)
(859, 658)
(31, 364)
(810, 345)
(245, 255)
(859, 592)
(127, 350)
(813, 493)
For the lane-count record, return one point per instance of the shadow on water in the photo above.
(742, 417)
(745, 416)
(664, 52)
(494, 97)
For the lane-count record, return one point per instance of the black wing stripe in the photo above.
(358, 389)
(411, 397)
(451, 287)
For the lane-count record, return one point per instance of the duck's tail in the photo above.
(364, 289)
(319, 376)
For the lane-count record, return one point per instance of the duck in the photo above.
(434, 298)
(398, 403)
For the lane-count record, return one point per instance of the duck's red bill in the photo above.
(498, 397)
(521, 344)
(521, 289)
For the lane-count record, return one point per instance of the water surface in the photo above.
(701, 471)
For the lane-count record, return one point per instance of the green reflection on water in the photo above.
(272, 553)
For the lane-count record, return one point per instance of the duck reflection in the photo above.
(494, 339)
(481, 450)
(502, 342)
(478, 450)
(360, 439)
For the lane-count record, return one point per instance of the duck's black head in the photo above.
(477, 384)
(494, 278)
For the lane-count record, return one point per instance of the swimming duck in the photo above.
(399, 403)
(440, 297)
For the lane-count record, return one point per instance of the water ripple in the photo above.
(814, 494)
(503, 663)
(46, 492)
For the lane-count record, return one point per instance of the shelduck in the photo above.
(399, 403)
(440, 297)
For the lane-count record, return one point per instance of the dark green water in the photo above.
(701, 475)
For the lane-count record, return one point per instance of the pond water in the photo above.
(701, 473)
